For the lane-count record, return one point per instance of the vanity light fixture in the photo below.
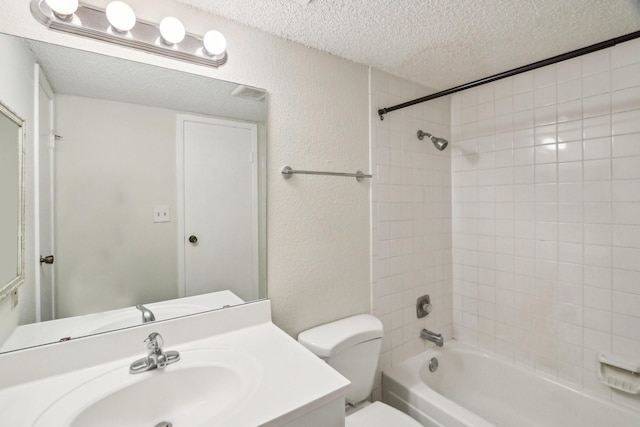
(121, 16)
(215, 45)
(118, 24)
(172, 30)
(63, 9)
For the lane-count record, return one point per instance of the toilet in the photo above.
(351, 346)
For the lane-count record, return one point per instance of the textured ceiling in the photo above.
(439, 43)
(76, 72)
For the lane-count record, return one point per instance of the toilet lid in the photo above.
(381, 415)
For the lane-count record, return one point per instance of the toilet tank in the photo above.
(351, 346)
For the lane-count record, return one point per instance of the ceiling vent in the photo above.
(248, 92)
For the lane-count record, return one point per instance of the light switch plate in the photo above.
(161, 213)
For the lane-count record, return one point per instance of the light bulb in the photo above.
(214, 43)
(120, 16)
(63, 9)
(172, 30)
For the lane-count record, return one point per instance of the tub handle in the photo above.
(423, 306)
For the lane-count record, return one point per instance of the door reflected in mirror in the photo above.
(145, 157)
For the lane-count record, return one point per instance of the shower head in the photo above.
(440, 143)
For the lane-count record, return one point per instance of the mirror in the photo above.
(158, 194)
(11, 193)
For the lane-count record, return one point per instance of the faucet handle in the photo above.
(154, 341)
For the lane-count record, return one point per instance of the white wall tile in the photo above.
(596, 84)
(625, 213)
(503, 88)
(626, 167)
(597, 170)
(551, 212)
(625, 77)
(596, 105)
(523, 138)
(570, 90)
(570, 151)
(626, 122)
(567, 70)
(596, 127)
(411, 222)
(523, 82)
(570, 212)
(544, 76)
(597, 234)
(545, 134)
(626, 326)
(626, 281)
(569, 110)
(626, 191)
(625, 53)
(626, 258)
(544, 96)
(598, 148)
(626, 235)
(596, 62)
(569, 172)
(570, 131)
(598, 320)
(627, 304)
(546, 153)
(523, 101)
(625, 99)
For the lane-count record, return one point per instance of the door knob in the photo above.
(47, 259)
(193, 239)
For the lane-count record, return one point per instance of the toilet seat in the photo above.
(379, 414)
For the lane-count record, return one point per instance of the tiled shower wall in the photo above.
(411, 217)
(546, 216)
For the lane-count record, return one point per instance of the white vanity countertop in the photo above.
(293, 381)
(79, 326)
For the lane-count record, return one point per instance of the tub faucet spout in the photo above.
(147, 315)
(426, 334)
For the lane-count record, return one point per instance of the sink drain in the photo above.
(164, 424)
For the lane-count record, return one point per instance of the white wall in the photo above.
(546, 210)
(318, 227)
(115, 161)
(411, 217)
(16, 91)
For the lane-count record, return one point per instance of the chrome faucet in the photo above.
(426, 334)
(147, 315)
(156, 357)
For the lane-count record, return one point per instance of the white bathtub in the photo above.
(472, 389)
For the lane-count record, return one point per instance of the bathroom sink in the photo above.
(206, 386)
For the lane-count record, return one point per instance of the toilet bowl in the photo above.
(352, 346)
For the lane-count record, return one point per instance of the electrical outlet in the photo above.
(161, 213)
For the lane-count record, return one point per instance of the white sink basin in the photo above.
(205, 386)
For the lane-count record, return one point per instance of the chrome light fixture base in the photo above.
(90, 21)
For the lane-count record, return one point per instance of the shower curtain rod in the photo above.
(513, 72)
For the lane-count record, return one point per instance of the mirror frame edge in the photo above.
(15, 283)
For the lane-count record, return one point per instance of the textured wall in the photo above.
(411, 217)
(318, 227)
(546, 187)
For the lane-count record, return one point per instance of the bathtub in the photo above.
(473, 389)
